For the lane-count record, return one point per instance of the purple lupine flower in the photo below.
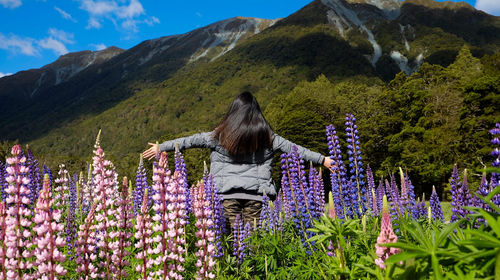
(338, 177)
(72, 199)
(240, 233)
(141, 185)
(455, 200)
(392, 196)
(404, 198)
(318, 201)
(48, 229)
(283, 191)
(396, 197)
(298, 192)
(34, 175)
(180, 166)
(495, 177)
(421, 208)
(411, 208)
(277, 209)
(483, 191)
(289, 190)
(266, 220)
(464, 197)
(321, 187)
(331, 249)
(46, 170)
(3, 183)
(18, 239)
(375, 209)
(370, 189)
(217, 209)
(358, 189)
(435, 204)
(380, 194)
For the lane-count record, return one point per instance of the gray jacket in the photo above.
(242, 177)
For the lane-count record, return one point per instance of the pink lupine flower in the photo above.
(160, 231)
(3, 248)
(168, 222)
(105, 183)
(121, 244)
(386, 236)
(176, 223)
(143, 238)
(48, 239)
(18, 235)
(86, 247)
(61, 190)
(205, 233)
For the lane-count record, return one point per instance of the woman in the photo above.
(242, 148)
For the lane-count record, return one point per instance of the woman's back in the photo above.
(246, 176)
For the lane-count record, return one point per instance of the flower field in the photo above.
(99, 226)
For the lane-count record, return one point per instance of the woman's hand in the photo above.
(328, 163)
(152, 151)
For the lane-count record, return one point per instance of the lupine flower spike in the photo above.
(18, 239)
(338, 176)
(386, 236)
(49, 257)
(358, 188)
(205, 234)
(86, 247)
(121, 244)
(435, 206)
(143, 232)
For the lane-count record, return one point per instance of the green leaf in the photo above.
(403, 256)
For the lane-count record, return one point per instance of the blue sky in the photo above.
(34, 33)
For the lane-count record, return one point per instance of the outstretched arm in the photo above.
(284, 145)
(199, 140)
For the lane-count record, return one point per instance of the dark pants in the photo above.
(249, 209)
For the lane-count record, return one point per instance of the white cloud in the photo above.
(130, 24)
(98, 47)
(152, 21)
(98, 8)
(132, 10)
(12, 4)
(15, 44)
(4, 74)
(198, 14)
(54, 45)
(93, 23)
(64, 14)
(490, 6)
(124, 14)
(62, 35)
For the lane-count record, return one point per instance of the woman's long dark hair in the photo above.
(244, 130)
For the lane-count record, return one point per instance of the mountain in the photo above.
(42, 94)
(179, 84)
